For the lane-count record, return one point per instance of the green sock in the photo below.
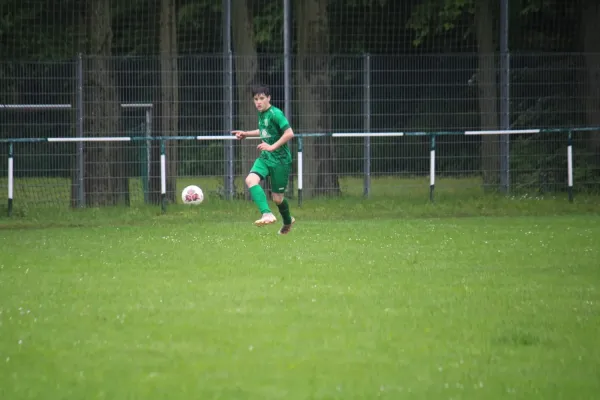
(284, 209)
(260, 198)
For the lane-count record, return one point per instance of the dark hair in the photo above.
(260, 89)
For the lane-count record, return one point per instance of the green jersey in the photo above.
(271, 125)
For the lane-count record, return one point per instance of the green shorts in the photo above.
(279, 174)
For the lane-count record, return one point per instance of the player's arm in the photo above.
(288, 135)
(245, 134)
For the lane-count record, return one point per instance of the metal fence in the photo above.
(355, 95)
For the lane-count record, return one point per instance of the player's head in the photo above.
(262, 97)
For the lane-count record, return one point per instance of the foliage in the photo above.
(433, 17)
(43, 29)
(38, 29)
(268, 25)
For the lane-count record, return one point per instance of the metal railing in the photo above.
(65, 184)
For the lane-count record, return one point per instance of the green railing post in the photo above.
(163, 176)
(570, 165)
(300, 147)
(432, 168)
(10, 178)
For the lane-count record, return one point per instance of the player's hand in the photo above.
(265, 147)
(239, 134)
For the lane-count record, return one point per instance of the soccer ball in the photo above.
(192, 195)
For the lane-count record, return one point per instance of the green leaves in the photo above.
(433, 17)
(268, 23)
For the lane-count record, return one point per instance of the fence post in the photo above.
(300, 145)
(504, 98)
(146, 184)
(228, 98)
(570, 166)
(432, 168)
(10, 178)
(367, 123)
(163, 176)
(79, 130)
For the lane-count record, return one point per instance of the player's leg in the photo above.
(279, 181)
(284, 210)
(258, 172)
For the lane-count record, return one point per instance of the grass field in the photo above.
(36, 198)
(43, 191)
(468, 298)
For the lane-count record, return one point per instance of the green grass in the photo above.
(481, 297)
(41, 191)
(45, 202)
(30, 193)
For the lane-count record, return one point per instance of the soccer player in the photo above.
(275, 159)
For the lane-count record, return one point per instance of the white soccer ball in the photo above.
(192, 195)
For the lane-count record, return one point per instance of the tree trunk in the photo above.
(314, 94)
(590, 26)
(105, 181)
(166, 108)
(246, 68)
(488, 93)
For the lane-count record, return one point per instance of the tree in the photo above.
(314, 94)
(105, 182)
(436, 16)
(488, 92)
(166, 110)
(590, 29)
(246, 69)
